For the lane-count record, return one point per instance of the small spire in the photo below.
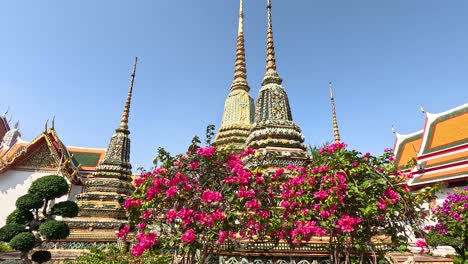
(6, 112)
(271, 75)
(421, 108)
(126, 111)
(336, 132)
(240, 71)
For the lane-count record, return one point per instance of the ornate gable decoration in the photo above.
(45, 153)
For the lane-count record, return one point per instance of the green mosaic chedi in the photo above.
(239, 107)
(274, 133)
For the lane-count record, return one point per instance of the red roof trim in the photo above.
(442, 152)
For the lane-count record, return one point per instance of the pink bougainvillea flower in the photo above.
(206, 151)
(222, 236)
(209, 196)
(122, 234)
(347, 223)
(194, 164)
(138, 181)
(141, 225)
(189, 236)
(147, 214)
(321, 195)
(171, 192)
(325, 214)
(171, 215)
(382, 205)
(160, 171)
(137, 250)
(252, 204)
(129, 203)
(392, 195)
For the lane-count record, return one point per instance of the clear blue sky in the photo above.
(72, 59)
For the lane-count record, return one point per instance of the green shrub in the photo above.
(29, 201)
(4, 247)
(23, 242)
(20, 217)
(66, 209)
(10, 231)
(49, 187)
(54, 230)
(41, 256)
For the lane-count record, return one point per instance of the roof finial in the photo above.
(421, 108)
(17, 125)
(53, 123)
(126, 111)
(336, 132)
(393, 130)
(46, 124)
(271, 76)
(6, 112)
(240, 72)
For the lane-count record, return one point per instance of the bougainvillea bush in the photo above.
(451, 221)
(207, 198)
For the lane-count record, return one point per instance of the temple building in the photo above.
(21, 162)
(437, 154)
(271, 130)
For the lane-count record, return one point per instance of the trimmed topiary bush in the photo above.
(20, 217)
(29, 201)
(54, 230)
(49, 187)
(41, 256)
(9, 231)
(66, 209)
(23, 242)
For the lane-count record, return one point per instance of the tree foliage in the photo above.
(23, 242)
(9, 231)
(66, 209)
(22, 217)
(52, 229)
(49, 187)
(41, 256)
(26, 218)
(29, 201)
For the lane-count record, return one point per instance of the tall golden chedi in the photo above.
(101, 211)
(239, 107)
(277, 139)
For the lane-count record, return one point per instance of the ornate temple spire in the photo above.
(240, 72)
(336, 132)
(126, 111)
(113, 174)
(274, 134)
(239, 106)
(271, 75)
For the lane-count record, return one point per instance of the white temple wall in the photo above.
(15, 183)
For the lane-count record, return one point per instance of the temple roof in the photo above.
(4, 126)
(406, 148)
(440, 149)
(48, 153)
